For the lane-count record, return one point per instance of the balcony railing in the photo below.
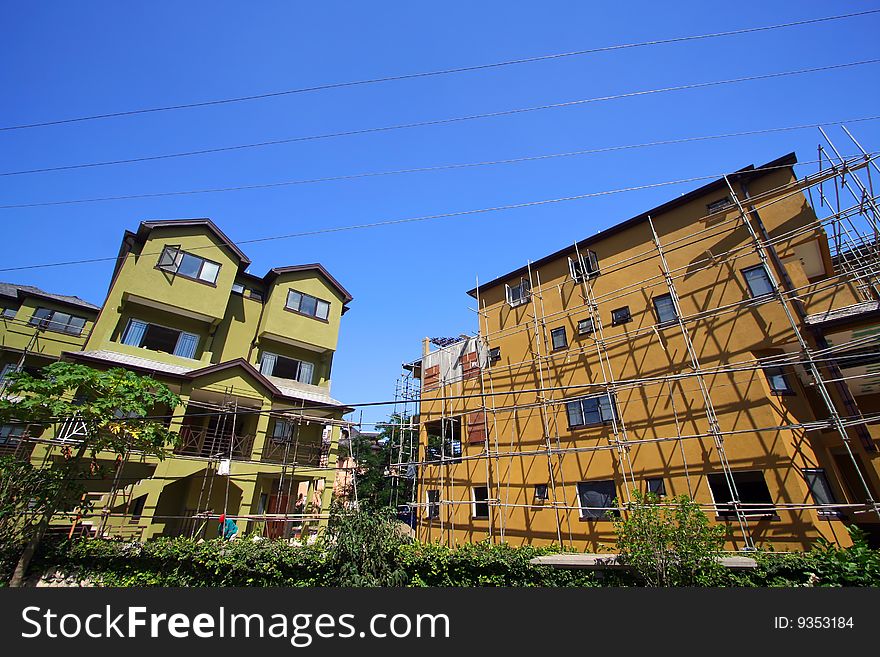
(18, 446)
(206, 443)
(312, 455)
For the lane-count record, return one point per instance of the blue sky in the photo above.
(409, 281)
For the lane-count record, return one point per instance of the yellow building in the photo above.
(251, 358)
(35, 328)
(721, 346)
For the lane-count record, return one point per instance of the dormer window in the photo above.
(179, 262)
(518, 294)
(584, 265)
(306, 304)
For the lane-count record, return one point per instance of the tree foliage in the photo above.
(375, 457)
(669, 542)
(27, 493)
(362, 548)
(114, 406)
(114, 411)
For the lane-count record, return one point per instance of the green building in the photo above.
(251, 358)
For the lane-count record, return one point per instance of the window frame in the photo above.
(774, 371)
(730, 514)
(764, 295)
(612, 405)
(578, 265)
(614, 320)
(553, 333)
(302, 297)
(174, 267)
(180, 334)
(590, 515)
(48, 323)
(525, 293)
(660, 321)
(821, 472)
(662, 487)
(542, 492)
(433, 505)
(719, 205)
(592, 326)
(299, 367)
(477, 503)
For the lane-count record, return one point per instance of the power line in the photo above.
(406, 220)
(441, 167)
(455, 119)
(425, 74)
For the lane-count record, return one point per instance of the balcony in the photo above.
(308, 455)
(207, 443)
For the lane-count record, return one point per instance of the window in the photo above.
(542, 492)
(237, 288)
(160, 338)
(188, 265)
(586, 326)
(821, 491)
(256, 296)
(7, 369)
(590, 410)
(53, 320)
(656, 486)
(719, 205)
(307, 305)
(665, 309)
(10, 434)
(286, 368)
(753, 493)
(558, 338)
(433, 504)
(137, 508)
(597, 499)
(282, 430)
(620, 316)
(584, 265)
(9, 313)
(758, 281)
(518, 294)
(494, 354)
(481, 505)
(778, 381)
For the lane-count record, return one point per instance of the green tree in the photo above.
(25, 494)
(363, 548)
(375, 457)
(115, 410)
(669, 542)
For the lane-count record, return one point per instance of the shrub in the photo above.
(669, 544)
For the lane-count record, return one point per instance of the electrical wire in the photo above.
(406, 220)
(446, 121)
(448, 71)
(442, 167)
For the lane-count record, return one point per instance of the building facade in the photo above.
(251, 358)
(721, 346)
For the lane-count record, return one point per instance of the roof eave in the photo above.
(786, 160)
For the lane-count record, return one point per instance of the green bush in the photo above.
(398, 562)
(669, 544)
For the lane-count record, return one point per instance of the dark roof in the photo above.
(749, 171)
(147, 226)
(277, 271)
(16, 291)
